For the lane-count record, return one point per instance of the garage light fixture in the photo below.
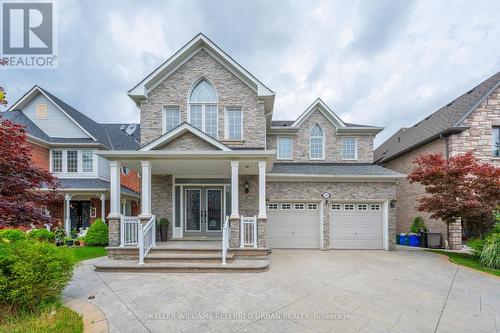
(393, 203)
(246, 187)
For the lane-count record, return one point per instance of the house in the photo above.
(211, 152)
(65, 141)
(470, 122)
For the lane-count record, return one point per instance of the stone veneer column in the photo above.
(455, 235)
(114, 201)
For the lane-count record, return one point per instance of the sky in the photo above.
(386, 63)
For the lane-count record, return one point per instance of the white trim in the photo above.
(178, 131)
(322, 225)
(278, 148)
(321, 106)
(385, 226)
(355, 148)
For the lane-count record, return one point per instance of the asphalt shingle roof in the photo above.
(90, 183)
(449, 118)
(335, 169)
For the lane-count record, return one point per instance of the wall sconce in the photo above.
(246, 187)
(393, 203)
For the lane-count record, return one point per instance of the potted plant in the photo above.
(68, 241)
(81, 241)
(162, 226)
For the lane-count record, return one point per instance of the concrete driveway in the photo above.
(303, 291)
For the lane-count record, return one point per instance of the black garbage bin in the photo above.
(423, 239)
(433, 240)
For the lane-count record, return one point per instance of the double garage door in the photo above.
(354, 225)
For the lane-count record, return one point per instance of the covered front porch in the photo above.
(205, 195)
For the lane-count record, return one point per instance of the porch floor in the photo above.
(191, 244)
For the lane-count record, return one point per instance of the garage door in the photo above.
(293, 225)
(357, 225)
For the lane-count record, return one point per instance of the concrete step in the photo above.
(133, 252)
(186, 258)
(237, 266)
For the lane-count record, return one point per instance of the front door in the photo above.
(203, 211)
(79, 214)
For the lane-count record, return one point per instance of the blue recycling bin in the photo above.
(403, 239)
(414, 240)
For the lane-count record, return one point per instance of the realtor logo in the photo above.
(28, 36)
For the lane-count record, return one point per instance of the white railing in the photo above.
(225, 239)
(248, 231)
(147, 238)
(129, 230)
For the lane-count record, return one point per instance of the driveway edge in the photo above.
(94, 319)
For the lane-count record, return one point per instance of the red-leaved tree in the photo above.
(458, 187)
(23, 185)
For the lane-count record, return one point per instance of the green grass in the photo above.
(50, 318)
(467, 260)
(88, 252)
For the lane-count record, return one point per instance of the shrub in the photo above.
(490, 255)
(42, 235)
(33, 273)
(476, 244)
(97, 234)
(417, 225)
(12, 235)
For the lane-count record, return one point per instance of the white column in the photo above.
(234, 190)
(103, 207)
(124, 207)
(115, 187)
(67, 220)
(262, 190)
(146, 189)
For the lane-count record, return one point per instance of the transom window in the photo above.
(349, 149)
(348, 207)
(317, 144)
(299, 206)
(272, 206)
(286, 206)
(336, 206)
(172, 117)
(362, 207)
(284, 148)
(312, 206)
(203, 108)
(496, 142)
(234, 124)
(375, 207)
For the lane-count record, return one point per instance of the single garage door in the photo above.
(357, 225)
(293, 225)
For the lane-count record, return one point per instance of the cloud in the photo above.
(383, 62)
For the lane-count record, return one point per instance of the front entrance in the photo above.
(203, 211)
(79, 214)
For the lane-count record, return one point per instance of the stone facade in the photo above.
(187, 141)
(231, 91)
(479, 136)
(455, 235)
(286, 190)
(161, 199)
(408, 194)
(333, 142)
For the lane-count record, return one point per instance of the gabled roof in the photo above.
(199, 42)
(319, 105)
(110, 136)
(180, 130)
(445, 121)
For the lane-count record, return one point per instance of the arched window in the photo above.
(203, 108)
(317, 143)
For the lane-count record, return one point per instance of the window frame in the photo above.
(493, 139)
(322, 137)
(299, 204)
(350, 205)
(165, 110)
(286, 204)
(312, 204)
(37, 105)
(344, 139)
(278, 148)
(67, 161)
(227, 130)
(91, 159)
(336, 206)
(273, 206)
(375, 207)
(52, 160)
(203, 108)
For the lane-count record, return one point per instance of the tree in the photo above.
(21, 182)
(458, 187)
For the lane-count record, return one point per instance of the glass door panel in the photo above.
(214, 209)
(193, 210)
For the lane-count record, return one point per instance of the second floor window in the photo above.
(234, 124)
(349, 149)
(72, 160)
(284, 148)
(57, 160)
(203, 108)
(172, 117)
(87, 161)
(496, 141)
(317, 143)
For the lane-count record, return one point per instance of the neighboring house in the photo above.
(64, 141)
(470, 122)
(210, 149)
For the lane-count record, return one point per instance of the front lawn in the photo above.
(50, 318)
(88, 252)
(467, 260)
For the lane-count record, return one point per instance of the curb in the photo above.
(94, 319)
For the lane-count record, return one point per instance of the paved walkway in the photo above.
(303, 291)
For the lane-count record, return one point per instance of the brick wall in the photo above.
(131, 181)
(333, 142)
(40, 155)
(408, 194)
(231, 91)
(479, 136)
